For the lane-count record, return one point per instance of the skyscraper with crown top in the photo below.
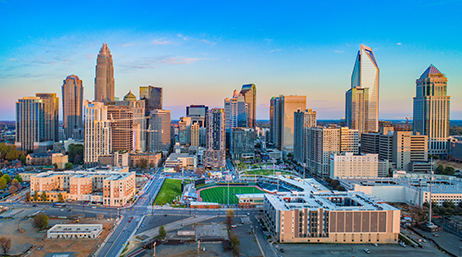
(104, 80)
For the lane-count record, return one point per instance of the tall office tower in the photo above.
(198, 114)
(289, 105)
(431, 109)
(214, 156)
(153, 97)
(203, 136)
(29, 122)
(302, 120)
(249, 91)
(184, 131)
(362, 99)
(97, 132)
(195, 134)
(275, 121)
(242, 145)
(72, 93)
(236, 115)
(104, 80)
(321, 143)
(160, 131)
(50, 116)
(370, 143)
(349, 140)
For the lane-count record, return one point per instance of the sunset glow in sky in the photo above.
(200, 51)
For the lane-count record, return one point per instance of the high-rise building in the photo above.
(153, 97)
(184, 131)
(121, 118)
(29, 122)
(350, 165)
(50, 116)
(249, 91)
(275, 121)
(195, 134)
(97, 132)
(214, 156)
(242, 145)
(236, 110)
(302, 120)
(198, 114)
(322, 142)
(160, 131)
(409, 150)
(72, 93)
(362, 99)
(104, 80)
(289, 105)
(431, 109)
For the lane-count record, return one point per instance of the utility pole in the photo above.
(431, 182)
(154, 247)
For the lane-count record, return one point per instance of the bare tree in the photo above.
(229, 217)
(5, 244)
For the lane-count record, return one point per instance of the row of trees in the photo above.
(14, 185)
(448, 208)
(445, 170)
(233, 238)
(335, 184)
(42, 197)
(10, 153)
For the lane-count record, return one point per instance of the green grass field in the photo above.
(170, 189)
(220, 194)
(265, 172)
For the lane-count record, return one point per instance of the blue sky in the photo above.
(200, 51)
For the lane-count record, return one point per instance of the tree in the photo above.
(19, 178)
(235, 242)
(44, 197)
(5, 243)
(143, 163)
(162, 232)
(35, 196)
(229, 217)
(177, 168)
(200, 171)
(7, 178)
(449, 171)
(68, 166)
(75, 150)
(60, 198)
(449, 204)
(12, 189)
(22, 158)
(439, 169)
(12, 155)
(41, 221)
(3, 183)
(27, 197)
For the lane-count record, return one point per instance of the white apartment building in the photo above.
(97, 132)
(350, 165)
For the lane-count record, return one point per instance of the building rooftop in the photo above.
(430, 70)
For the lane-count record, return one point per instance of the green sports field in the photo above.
(220, 194)
(265, 172)
(170, 189)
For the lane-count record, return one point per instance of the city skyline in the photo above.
(185, 59)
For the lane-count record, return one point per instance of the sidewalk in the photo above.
(174, 225)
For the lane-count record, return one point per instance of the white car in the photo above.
(367, 251)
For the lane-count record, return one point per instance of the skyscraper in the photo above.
(72, 93)
(302, 120)
(236, 110)
(289, 105)
(214, 156)
(104, 80)
(249, 91)
(97, 132)
(29, 122)
(50, 116)
(160, 131)
(275, 121)
(153, 97)
(198, 114)
(431, 109)
(362, 99)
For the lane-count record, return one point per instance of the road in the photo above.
(131, 220)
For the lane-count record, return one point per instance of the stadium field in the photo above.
(220, 194)
(265, 172)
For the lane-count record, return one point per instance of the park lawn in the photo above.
(265, 172)
(170, 189)
(220, 194)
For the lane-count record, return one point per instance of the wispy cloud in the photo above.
(181, 60)
(127, 44)
(182, 37)
(208, 42)
(155, 62)
(339, 51)
(268, 40)
(398, 43)
(275, 50)
(157, 42)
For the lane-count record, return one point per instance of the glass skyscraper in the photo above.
(362, 99)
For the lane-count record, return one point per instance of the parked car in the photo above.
(375, 244)
(234, 226)
(436, 235)
(367, 251)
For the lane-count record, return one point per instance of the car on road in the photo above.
(402, 244)
(436, 235)
(234, 226)
(62, 210)
(367, 251)
(375, 244)
(93, 207)
(130, 220)
(282, 250)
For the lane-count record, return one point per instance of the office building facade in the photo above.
(98, 134)
(152, 96)
(104, 80)
(431, 109)
(302, 120)
(249, 91)
(289, 105)
(72, 94)
(362, 99)
(159, 130)
(214, 156)
(242, 145)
